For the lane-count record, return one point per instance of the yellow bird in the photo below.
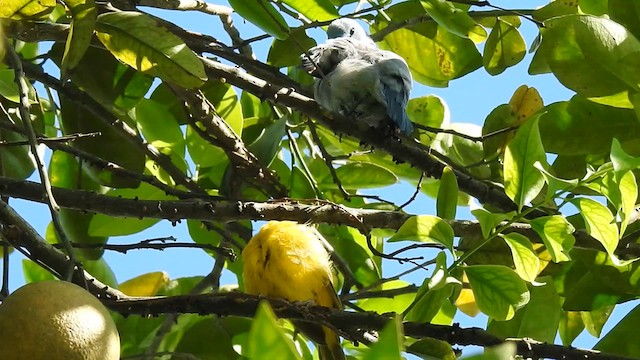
(287, 260)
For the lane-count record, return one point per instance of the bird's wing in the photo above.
(395, 85)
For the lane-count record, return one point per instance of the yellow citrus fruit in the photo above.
(56, 320)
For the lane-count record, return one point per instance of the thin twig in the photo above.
(415, 194)
(481, 3)
(152, 245)
(328, 160)
(48, 140)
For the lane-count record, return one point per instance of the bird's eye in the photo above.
(352, 31)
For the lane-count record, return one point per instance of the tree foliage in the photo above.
(144, 120)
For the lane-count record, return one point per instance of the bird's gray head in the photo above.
(346, 28)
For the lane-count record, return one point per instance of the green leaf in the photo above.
(623, 339)
(395, 304)
(434, 55)
(545, 303)
(101, 270)
(33, 272)
(390, 343)
(262, 14)
(314, 10)
(454, 19)
(164, 135)
(502, 117)
(425, 228)
(505, 47)
(489, 221)
(359, 175)
(351, 244)
(462, 151)
(287, 52)
(116, 86)
(104, 225)
(575, 127)
(555, 185)
(594, 56)
(428, 302)
(600, 223)
(138, 41)
(594, 320)
(628, 194)
(26, 9)
(75, 119)
(301, 186)
(430, 111)
(266, 339)
(524, 257)
(430, 348)
(83, 14)
(556, 234)
(571, 326)
(556, 8)
(267, 145)
(522, 180)
(625, 13)
(208, 327)
(15, 161)
(447, 201)
(224, 99)
(621, 160)
(498, 290)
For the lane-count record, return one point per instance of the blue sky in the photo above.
(469, 99)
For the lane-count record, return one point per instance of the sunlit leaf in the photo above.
(267, 340)
(594, 56)
(522, 180)
(144, 285)
(454, 19)
(545, 303)
(505, 47)
(138, 41)
(447, 201)
(600, 223)
(84, 14)
(524, 257)
(499, 291)
(263, 15)
(556, 233)
(435, 55)
(314, 10)
(425, 228)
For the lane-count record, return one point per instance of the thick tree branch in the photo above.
(403, 150)
(350, 324)
(224, 210)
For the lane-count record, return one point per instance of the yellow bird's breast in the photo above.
(287, 260)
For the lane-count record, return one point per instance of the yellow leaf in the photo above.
(525, 102)
(466, 301)
(145, 284)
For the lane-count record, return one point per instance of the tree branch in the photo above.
(350, 324)
(314, 211)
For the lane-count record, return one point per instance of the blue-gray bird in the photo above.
(355, 77)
